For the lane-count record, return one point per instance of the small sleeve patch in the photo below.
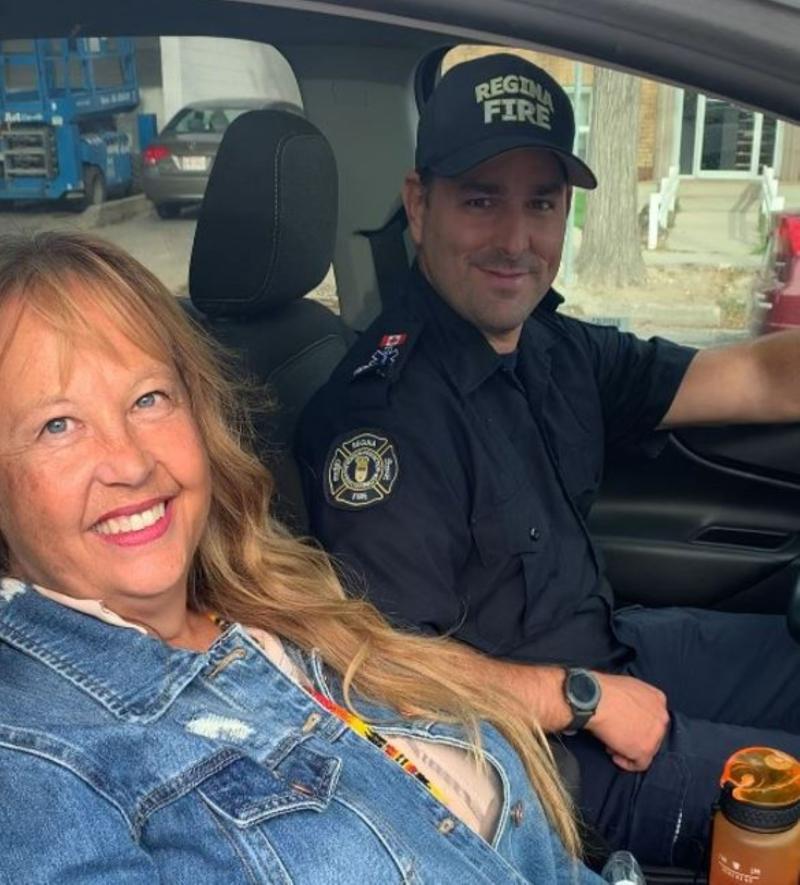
(392, 351)
(384, 358)
(360, 470)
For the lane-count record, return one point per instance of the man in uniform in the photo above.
(451, 461)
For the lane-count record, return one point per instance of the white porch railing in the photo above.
(662, 207)
(770, 201)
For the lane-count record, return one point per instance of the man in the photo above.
(453, 457)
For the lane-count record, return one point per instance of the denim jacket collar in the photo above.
(77, 647)
(137, 678)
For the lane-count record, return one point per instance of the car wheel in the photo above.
(94, 186)
(94, 190)
(135, 184)
(167, 210)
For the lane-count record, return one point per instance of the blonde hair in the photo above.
(247, 566)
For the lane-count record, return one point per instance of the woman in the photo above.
(144, 732)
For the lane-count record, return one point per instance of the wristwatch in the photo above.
(582, 692)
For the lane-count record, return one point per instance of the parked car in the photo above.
(776, 298)
(175, 167)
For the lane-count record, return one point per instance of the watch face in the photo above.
(582, 690)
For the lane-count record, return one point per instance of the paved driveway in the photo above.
(164, 246)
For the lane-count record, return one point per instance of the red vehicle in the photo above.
(776, 299)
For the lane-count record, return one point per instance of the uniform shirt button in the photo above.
(535, 534)
(517, 814)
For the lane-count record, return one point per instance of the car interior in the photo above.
(714, 519)
(272, 195)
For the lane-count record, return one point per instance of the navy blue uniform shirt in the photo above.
(453, 484)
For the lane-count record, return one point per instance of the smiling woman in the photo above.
(106, 483)
(105, 479)
(182, 675)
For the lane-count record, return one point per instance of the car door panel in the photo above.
(713, 521)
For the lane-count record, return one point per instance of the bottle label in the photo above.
(747, 874)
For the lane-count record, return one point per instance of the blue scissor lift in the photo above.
(58, 130)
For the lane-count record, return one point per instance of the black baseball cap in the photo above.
(493, 104)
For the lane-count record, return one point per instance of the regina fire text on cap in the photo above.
(494, 104)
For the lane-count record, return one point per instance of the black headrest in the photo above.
(267, 225)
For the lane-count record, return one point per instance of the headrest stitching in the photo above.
(275, 203)
(279, 148)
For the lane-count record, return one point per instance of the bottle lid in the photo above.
(761, 789)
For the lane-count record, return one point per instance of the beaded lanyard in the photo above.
(377, 739)
(362, 728)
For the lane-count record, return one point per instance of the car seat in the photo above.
(197, 123)
(264, 239)
(218, 122)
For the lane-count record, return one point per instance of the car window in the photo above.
(673, 240)
(135, 186)
(696, 220)
(214, 119)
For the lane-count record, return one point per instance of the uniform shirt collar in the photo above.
(465, 352)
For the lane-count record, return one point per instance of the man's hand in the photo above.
(631, 720)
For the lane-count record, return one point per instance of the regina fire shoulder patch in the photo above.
(361, 470)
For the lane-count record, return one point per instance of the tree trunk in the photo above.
(611, 253)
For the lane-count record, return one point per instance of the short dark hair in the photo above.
(425, 177)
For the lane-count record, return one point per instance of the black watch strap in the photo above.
(579, 719)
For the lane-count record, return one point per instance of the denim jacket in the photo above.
(125, 760)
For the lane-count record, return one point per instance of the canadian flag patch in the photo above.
(393, 340)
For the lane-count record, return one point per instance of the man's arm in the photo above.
(630, 721)
(406, 548)
(756, 381)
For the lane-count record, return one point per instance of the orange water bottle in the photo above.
(756, 829)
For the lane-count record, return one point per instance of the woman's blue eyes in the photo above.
(56, 426)
(148, 400)
(152, 398)
(59, 426)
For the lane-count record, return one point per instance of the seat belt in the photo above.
(389, 256)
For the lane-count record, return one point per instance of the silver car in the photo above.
(176, 166)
